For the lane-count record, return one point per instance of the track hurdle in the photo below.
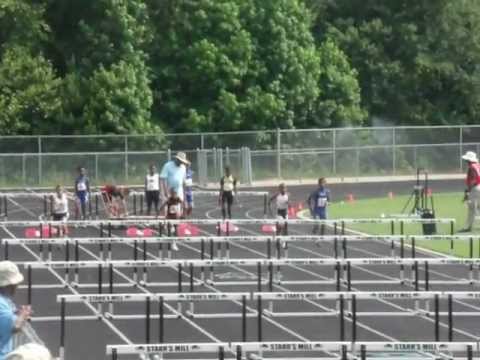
(351, 299)
(148, 299)
(339, 242)
(288, 349)
(342, 271)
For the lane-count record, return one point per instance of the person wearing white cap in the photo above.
(472, 191)
(30, 352)
(173, 175)
(11, 318)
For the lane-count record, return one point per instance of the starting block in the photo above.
(186, 229)
(269, 229)
(33, 233)
(228, 228)
(136, 232)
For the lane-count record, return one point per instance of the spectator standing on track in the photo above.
(11, 318)
(173, 176)
(30, 352)
(318, 202)
(174, 206)
(472, 191)
(188, 192)
(152, 189)
(82, 191)
(60, 208)
(228, 190)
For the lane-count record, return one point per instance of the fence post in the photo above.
(250, 172)
(24, 169)
(39, 160)
(279, 154)
(394, 152)
(334, 150)
(460, 142)
(202, 141)
(96, 168)
(126, 157)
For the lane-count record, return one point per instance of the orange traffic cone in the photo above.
(390, 194)
(350, 198)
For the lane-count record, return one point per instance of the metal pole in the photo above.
(126, 158)
(460, 144)
(39, 160)
(334, 151)
(279, 153)
(394, 152)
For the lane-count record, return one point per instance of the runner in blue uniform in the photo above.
(188, 191)
(82, 191)
(318, 202)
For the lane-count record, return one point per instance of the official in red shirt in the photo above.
(472, 191)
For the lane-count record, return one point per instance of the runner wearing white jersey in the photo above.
(152, 189)
(60, 208)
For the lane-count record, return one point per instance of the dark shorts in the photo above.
(227, 197)
(283, 213)
(82, 196)
(152, 197)
(320, 213)
(189, 199)
(59, 217)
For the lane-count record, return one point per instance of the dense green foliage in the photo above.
(142, 66)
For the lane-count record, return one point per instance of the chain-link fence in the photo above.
(254, 156)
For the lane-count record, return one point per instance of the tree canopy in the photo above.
(144, 66)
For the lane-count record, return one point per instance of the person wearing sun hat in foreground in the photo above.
(11, 318)
(472, 191)
(30, 352)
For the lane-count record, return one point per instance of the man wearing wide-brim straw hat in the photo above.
(472, 191)
(11, 319)
(173, 175)
(30, 352)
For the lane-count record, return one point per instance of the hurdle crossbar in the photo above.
(319, 346)
(270, 296)
(165, 239)
(82, 223)
(179, 297)
(214, 193)
(252, 262)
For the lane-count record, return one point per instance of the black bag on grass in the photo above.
(429, 229)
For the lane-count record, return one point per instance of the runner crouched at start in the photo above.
(174, 207)
(115, 200)
(59, 202)
(318, 202)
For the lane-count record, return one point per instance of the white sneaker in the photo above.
(174, 246)
(284, 245)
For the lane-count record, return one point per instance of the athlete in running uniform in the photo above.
(174, 207)
(228, 189)
(318, 202)
(114, 197)
(281, 199)
(60, 209)
(152, 189)
(188, 192)
(82, 191)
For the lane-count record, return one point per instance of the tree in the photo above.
(234, 65)
(414, 58)
(28, 93)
